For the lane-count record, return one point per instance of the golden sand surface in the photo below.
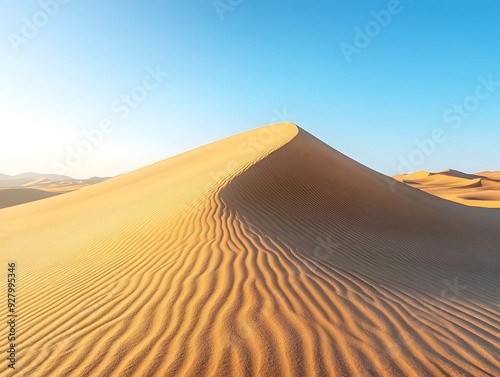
(478, 190)
(264, 254)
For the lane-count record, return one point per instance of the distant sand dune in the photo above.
(14, 196)
(28, 187)
(479, 190)
(264, 254)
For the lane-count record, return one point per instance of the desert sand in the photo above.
(28, 187)
(478, 190)
(264, 254)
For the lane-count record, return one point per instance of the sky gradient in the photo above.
(376, 80)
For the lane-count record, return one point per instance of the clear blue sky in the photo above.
(231, 67)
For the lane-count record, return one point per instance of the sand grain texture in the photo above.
(264, 254)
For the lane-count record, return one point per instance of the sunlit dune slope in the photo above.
(264, 254)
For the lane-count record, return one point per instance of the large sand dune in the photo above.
(264, 254)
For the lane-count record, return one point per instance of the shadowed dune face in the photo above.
(359, 254)
(264, 254)
(15, 196)
(309, 184)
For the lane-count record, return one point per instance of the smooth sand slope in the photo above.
(264, 254)
(479, 190)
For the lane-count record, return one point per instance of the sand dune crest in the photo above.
(264, 254)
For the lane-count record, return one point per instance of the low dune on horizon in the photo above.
(478, 190)
(28, 187)
(267, 253)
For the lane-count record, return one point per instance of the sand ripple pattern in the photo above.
(298, 262)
